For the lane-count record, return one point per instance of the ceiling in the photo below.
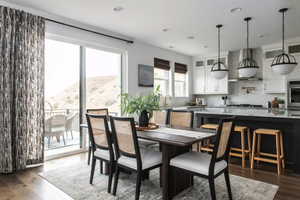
(145, 20)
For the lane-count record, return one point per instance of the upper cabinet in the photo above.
(204, 83)
(294, 49)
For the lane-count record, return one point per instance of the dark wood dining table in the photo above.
(173, 142)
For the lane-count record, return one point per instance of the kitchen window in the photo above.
(180, 80)
(162, 76)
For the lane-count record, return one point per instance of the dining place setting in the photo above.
(169, 143)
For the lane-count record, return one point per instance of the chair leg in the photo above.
(226, 174)
(278, 154)
(282, 150)
(101, 167)
(138, 185)
(89, 155)
(111, 166)
(253, 150)
(211, 181)
(92, 170)
(249, 143)
(116, 180)
(258, 146)
(243, 149)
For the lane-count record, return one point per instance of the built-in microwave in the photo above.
(294, 94)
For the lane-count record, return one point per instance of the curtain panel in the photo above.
(22, 37)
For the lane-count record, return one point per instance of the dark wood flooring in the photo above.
(28, 185)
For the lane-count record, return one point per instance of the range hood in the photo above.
(236, 59)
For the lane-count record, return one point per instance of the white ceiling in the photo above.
(145, 19)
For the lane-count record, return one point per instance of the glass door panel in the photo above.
(62, 63)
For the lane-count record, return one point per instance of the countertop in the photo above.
(237, 111)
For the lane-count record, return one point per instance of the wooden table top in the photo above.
(165, 136)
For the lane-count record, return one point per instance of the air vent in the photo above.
(272, 54)
(199, 63)
(294, 49)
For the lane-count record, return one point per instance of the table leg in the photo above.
(174, 180)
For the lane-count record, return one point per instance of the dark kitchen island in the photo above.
(286, 121)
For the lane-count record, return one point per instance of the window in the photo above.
(180, 80)
(161, 79)
(162, 76)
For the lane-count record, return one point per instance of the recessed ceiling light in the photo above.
(234, 10)
(261, 36)
(118, 8)
(205, 46)
(190, 37)
(165, 29)
(171, 47)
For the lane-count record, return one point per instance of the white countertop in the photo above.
(255, 112)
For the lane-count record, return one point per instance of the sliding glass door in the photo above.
(76, 78)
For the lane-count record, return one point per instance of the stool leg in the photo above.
(258, 147)
(282, 150)
(249, 143)
(253, 150)
(243, 149)
(278, 154)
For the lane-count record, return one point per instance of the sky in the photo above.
(62, 65)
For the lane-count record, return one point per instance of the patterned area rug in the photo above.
(74, 180)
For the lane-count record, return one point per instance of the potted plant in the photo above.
(142, 106)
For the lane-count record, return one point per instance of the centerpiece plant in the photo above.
(141, 105)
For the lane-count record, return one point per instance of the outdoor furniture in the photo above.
(55, 126)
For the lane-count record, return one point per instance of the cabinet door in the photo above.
(199, 80)
(295, 75)
(214, 86)
(273, 83)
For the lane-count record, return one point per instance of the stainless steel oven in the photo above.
(294, 94)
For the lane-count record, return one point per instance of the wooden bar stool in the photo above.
(278, 158)
(237, 152)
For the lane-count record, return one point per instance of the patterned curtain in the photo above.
(22, 38)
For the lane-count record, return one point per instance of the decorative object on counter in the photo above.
(248, 89)
(225, 98)
(218, 69)
(281, 104)
(248, 67)
(284, 63)
(146, 76)
(275, 103)
(142, 106)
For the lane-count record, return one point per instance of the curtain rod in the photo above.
(91, 31)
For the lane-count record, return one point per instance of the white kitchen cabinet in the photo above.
(273, 83)
(199, 80)
(214, 86)
(295, 75)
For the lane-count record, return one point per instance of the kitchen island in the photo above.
(287, 121)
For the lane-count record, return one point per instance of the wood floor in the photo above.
(28, 185)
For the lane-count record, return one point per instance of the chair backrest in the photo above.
(159, 117)
(99, 134)
(181, 119)
(100, 111)
(222, 144)
(126, 141)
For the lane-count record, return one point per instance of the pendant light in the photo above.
(284, 63)
(248, 67)
(218, 70)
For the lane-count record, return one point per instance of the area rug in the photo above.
(74, 181)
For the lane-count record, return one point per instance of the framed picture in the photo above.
(146, 75)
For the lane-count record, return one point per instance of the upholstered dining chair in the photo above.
(210, 166)
(102, 146)
(159, 117)
(129, 155)
(97, 111)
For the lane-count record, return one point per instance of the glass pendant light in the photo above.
(218, 70)
(284, 63)
(248, 67)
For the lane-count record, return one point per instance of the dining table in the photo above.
(174, 141)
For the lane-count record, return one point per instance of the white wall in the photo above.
(133, 54)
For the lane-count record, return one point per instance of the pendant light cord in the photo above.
(248, 38)
(219, 46)
(283, 36)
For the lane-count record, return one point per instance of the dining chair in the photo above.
(181, 119)
(97, 111)
(55, 126)
(210, 166)
(128, 153)
(102, 145)
(159, 117)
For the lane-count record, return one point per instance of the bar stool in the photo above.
(278, 158)
(206, 144)
(236, 152)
